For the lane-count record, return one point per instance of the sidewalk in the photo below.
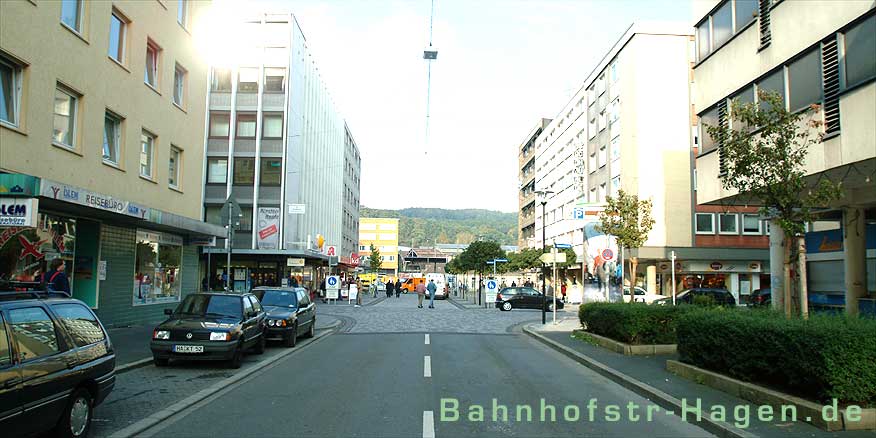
(131, 344)
(651, 370)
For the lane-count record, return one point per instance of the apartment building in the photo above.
(101, 141)
(277, 146)
(810, 53)
(630, 127)
(383, 234)
(526, 196)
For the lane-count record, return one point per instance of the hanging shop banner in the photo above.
(18, 212)
(25, 252)
(76, 195)
(268, 228)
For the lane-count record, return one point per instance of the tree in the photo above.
(374, 259)
(629, 220)
(768, 166)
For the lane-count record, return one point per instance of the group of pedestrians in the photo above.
(421, 292)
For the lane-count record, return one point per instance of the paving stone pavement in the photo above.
(401, 315)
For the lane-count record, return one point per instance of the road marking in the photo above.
(427, 366)
(427, 339)
(428, 424)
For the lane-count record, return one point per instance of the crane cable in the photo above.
(429, 80)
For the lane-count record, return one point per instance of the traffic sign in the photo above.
(229, 208)
(607, 254)
(492, 290)
(501, 260)
(562, 246)
(332, 285)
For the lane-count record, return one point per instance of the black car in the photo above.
(524, 298)
(290, 313)
(760, 297)
(211, 326)
(721, 297)
(56, 364)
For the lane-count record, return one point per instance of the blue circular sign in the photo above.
(491, 284)
(332, 281)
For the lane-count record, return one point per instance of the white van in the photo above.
(440, 282)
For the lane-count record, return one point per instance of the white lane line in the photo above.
(428, 425)
(427, 339)
(427, 366)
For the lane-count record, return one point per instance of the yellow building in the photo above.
(383, 234)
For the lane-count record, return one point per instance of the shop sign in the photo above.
(161, 238)
(716, 266)
(293, 262)
(268, 228)
(101, 270)
(18, 212)
(76, 195)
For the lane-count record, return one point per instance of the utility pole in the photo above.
(229, 244)
(672, 258)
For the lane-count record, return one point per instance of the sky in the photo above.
(502, 65)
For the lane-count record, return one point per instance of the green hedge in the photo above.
(636, 323)
(821, 359)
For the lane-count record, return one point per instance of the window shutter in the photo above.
(724, 123)
(764, 15)
(830, 68)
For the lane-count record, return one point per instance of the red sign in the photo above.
(607, 254)
(354, 259)
(267, 232)
(331, 251)
(716, 266)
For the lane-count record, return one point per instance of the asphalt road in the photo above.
(383, 385)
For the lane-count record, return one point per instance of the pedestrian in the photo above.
(322, 290)
(390, 288)
(502, 285)
(398, 288)
(56, 279)
(204, 285)
(358, 288)
(421, 290)
(513, 284)
(563, 291)
(432, 288)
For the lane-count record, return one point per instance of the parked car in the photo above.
(381, 287)
(721, 297)
(641, 295)
(760, 297)
(211, 326)
(524, 298)
(290, 313)
(56, 363)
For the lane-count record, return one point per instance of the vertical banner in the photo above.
(268, 228)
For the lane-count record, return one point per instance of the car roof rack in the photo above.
(27, 289)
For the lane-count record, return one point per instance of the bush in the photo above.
(821, 359)
(636, 323)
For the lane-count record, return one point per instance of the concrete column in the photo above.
(734, 285)
(854, 257)
(777, 262)
(651, 278)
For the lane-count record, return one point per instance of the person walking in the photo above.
(432, 288)
(398, 288)
(358, 287)
(421, 290)
(390, 288)
(56, 279)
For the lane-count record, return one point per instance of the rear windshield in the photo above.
(281, 298)
(210, 305)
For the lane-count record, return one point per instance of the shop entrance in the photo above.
(86, 260)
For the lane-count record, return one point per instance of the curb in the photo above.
(176, 408)
(659, 397)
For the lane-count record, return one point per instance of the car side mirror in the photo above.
(168, 312)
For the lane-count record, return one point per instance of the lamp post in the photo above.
(542, 196)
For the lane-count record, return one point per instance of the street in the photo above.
(373, 377)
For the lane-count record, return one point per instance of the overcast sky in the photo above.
(502, 64)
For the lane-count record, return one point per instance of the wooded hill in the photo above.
(427, 226)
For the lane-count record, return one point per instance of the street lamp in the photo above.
(542, 197)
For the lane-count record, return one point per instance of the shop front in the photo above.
(741, 278)
(253, 268)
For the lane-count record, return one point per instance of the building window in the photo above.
(152, 59)
(272, 125)
(217, 170)
(112, 135)
(705, 223)
(728, 223)
(591, 163)
(246, 219)
(722, 24)
(246, 126)
(275, 80)
(615, 185)
(182, 13)
(66, 105)
(10, 90)
(71, 14)
(147, 151)
(219, 124)
(221, 80)
(602, 192)
(708, 118)
(117, 35)
(591, 129)
(745, 96)
(592, 196)
(614, 72)
(859, 46)
(174, 167)
(751, 224)
(248, 80)
(704, 46)
(179, 85)
(602, 121)
(157, 268)
(804, 81)
(775, 82)
(615, 149)
(603, 157)
(244, 171)
(746, 12)
(271, 172)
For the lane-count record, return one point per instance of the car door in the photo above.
(249, 320)
(305, 311)
(10, 387)
(529, 298)
(46, 363)
(260, 314)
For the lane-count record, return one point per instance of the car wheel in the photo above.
(159, 362)
(549, 306)
(310, 331)
(291, 338)
(76, 420)
(237, 357)
(260, 345)
(506, 306)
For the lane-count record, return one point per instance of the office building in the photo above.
(526, 195)
(383, 234)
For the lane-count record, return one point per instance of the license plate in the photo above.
(188, 348)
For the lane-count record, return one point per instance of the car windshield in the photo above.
(279, 298)
(210, 305)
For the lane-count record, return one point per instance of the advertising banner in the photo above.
(18, 212)
(268, 228)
